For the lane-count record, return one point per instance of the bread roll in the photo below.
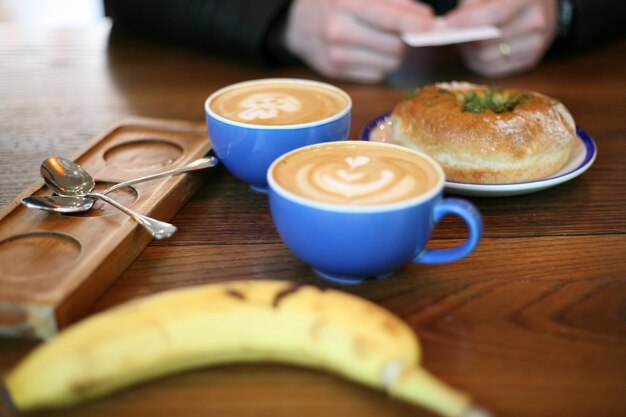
(484, 135)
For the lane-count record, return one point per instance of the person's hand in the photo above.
(356, 40)
(528, 28)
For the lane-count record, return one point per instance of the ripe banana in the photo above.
(231, 322)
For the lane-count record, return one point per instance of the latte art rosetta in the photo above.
(356, 176)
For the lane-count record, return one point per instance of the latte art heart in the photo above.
(348, 186)
(352, 182)
(356, 174)
(357, 162)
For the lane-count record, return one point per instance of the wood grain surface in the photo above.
(533, 323)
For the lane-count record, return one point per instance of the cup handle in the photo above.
(470, 215)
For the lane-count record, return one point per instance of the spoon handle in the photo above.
(157, 228)
(196, 165)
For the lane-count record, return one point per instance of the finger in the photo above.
(342, 61)
(530, 32)
(485, 12)
(521, 45)
(347, 31)
(531, 19)
(344, 58)
(526, 51)
(515, 65)
(395, 16)
(463, 3)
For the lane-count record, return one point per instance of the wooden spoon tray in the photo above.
(53, 267)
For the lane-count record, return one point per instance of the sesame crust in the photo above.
(528, 143)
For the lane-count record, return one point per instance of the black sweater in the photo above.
(243, 28)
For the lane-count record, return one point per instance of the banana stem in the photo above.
(416, 385)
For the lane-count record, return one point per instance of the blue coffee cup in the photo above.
(349, 243)
(248, 148)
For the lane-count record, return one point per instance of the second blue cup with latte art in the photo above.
(354, 210)
(252, 123)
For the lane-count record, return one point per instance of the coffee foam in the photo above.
(267, 105)
(278, 103)
(356, 174)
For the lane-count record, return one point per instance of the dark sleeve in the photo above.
(238, 28)
(593, 22)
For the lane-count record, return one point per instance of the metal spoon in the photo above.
(69, 204)
(66, 204)
(198, 164)
(67, 178)
(58, 203)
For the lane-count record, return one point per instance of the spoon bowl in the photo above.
(67, 178)
(58, 203)
(75, 186)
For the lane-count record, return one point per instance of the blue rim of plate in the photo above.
(590, 156)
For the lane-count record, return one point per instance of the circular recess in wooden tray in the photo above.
(142, 154)
(36, 254)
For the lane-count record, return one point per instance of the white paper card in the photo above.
(445, 35)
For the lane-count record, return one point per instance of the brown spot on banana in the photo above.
(281, 295)
(391, 328)
(236, 294)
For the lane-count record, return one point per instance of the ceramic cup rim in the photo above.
(339, 115)
(352, 208)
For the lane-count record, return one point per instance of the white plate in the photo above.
(582, 157)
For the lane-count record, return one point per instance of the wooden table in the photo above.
(533, 323)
